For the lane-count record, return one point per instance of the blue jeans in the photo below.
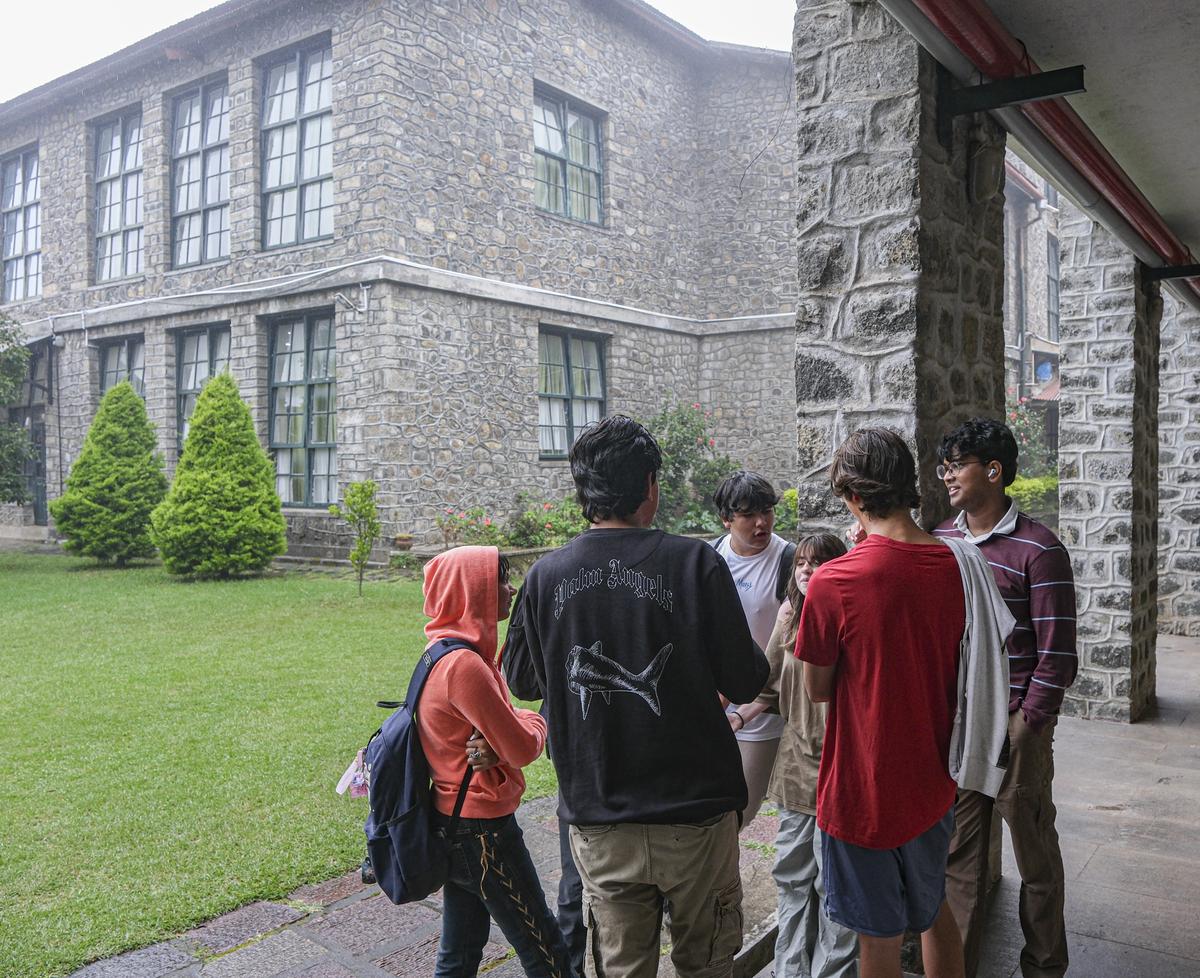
(492, 878)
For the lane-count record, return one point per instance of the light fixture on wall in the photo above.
(985, 166)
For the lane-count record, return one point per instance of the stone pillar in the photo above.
(1108, 466)
(1179, 470)
(900, 268)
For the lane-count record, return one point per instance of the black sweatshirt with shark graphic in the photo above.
(629, 635)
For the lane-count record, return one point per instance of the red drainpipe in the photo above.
(972, 28)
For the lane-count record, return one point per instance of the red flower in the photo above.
(696, 406)
(712, 442)
(549, 526)
(546, 507)
(462, 516)
(487, 521)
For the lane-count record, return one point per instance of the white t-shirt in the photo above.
(756, 579)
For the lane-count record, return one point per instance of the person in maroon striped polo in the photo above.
(1033, 571)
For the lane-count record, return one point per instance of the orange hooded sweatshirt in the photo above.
(465, 691)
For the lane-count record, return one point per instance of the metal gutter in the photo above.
(965, 37)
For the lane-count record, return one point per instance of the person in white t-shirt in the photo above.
(760, 561)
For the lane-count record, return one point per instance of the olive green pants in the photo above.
(633, 872)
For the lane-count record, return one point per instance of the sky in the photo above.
(52, 37)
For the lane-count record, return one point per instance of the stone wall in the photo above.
(1108, 467)
(1179, 470)
(900, 273)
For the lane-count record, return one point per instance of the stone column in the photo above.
(1108, 466)
(1179, 471)
(900, 266)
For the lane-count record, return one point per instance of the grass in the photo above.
(168, 751)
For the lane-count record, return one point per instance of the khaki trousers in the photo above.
(1026, 804)
(632, 872)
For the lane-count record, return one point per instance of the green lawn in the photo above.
(168, 751)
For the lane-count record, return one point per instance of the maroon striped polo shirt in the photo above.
(1033, 572)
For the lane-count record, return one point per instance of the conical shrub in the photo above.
(114, 485)
(222, 516)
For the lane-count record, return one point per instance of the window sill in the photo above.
(126, 280)
(316, 509)
(17, 303)
(554, 458)
(285, 249)
(199, 267)
(604, 227)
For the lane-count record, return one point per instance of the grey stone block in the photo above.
(155, 961)
(241, 925)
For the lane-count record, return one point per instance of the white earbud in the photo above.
(991, 473)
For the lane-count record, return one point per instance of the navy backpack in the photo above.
(409, 854)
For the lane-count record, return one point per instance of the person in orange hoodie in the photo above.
(466, 717)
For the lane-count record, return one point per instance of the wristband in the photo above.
(741, 719)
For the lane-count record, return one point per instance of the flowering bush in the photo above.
(472, 526)
(545, 524)
(787, 514)
(1037, 457)
(692, 469)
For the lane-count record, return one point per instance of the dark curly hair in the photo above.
(984, 439)
(610, 461)
(744, 492)
(876, 465)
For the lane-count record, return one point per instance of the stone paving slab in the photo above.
(1128, 798)
(236, 928)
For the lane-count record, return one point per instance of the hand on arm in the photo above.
(515, 736)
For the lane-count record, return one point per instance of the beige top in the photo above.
(794, 780)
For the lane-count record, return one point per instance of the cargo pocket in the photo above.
(593, 938)
(727, 923)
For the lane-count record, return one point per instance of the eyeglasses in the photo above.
(955, 467)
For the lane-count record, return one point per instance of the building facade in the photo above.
(430, 241)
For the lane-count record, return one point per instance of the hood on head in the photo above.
(460, 597)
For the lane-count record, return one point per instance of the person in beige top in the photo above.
(810, 945)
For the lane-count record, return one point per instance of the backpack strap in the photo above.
(429, 658)
(785, 571)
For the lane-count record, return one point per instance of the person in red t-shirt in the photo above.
(879, 636)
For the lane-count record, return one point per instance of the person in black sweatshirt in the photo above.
(632, 635)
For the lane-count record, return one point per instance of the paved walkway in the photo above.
(1129, 806)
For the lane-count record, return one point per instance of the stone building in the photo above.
(429, 241)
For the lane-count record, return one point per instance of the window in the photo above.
(566, 143)
(119, 245)
(303, 410)
(21, 226)
(123, 360)
(1052, 287)
(200, 176)
(297, 148)
(570, 388)
(200, 354)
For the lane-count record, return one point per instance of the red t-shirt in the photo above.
(890, 615)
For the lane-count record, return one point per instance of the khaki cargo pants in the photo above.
(632, 872)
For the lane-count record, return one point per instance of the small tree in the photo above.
(362, 514)
(1036, 456)
(15, 449)
(114, 485)
(222, 516)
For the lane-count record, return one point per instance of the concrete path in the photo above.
(1129, 808)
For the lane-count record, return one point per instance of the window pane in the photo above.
(32, 178)
(547, 131)
(188, 358)
(581, 140)
(216, 128)
(289, 353)
(552, 426)
(324, 476)
(14, 233)
(137, 366)
(216, 175)
(33, 275)
(33, 228)
(281, 217)
(583, 413)
(281, 157)
(548, 187)
(13, 283)
(585, 369)
(290, 474)
(133, 142)
(108, 206)
(584, 188)
(10, 183)
(318, 75)
(318, 209)
(187, 123)
(108, 257)
(133, 252)
(280, 93)
(220, 350)
(187, 184)
(322, 364)
(318, 147)
(108, 150)
(289, 416)
(552, 377)
(133, 198)
(216, 233)
(187, 239)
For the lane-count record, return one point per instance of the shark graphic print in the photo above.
(590, 671)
